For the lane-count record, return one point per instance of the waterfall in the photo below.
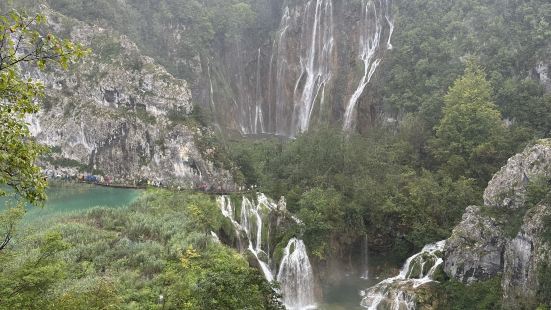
(365, 273)
(296, 277)
(251, 222)
(213, 107)
(281, 73)
(295, 272)
(258, 117)
(396, 292)
(371, 32)
(315, 61)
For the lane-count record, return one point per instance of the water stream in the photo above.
(295, 273)
(398, 292)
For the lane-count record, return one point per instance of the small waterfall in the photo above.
(295, 272)
(365, 252)
(371, 32)
(213, 107)
(296, 277)
(398, 292)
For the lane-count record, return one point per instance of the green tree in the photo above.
(22, 43)
(470, 135)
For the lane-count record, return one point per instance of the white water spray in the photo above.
(296, 277)
(395, 292)
(295, 272)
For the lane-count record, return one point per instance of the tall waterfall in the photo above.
(293, 111)
(315, 61)
(374, 15)
(296, 277)
(396, 292)
(258, 117)
(295, 273)
(280, 122)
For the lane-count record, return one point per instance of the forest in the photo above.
(458, 92)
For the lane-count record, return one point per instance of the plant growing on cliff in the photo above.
(22, 44)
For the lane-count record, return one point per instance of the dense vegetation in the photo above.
(156, 254)
(195, 26)
(404, 187)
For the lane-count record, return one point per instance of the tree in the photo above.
(23, 43)
(470, 135)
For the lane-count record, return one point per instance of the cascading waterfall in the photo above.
(396, 292)
(295, 273)
(371, 33)
(284, 91)
(315, 61)
(296, 277)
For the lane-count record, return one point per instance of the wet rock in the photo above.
(475, 249)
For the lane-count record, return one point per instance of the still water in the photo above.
(64, 198)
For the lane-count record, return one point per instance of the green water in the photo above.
(345, 294)
(66, 198)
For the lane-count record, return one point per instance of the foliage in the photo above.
(23, 44)
(470, 136)
(544, 283)
(538, 190)
(343, 187)
(127, 258)
(479, 295)
(197, 25)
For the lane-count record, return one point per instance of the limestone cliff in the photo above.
(119, 114)
(480, 248)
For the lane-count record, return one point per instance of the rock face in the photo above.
(542, 72)
(475, 249)
(524, 256)
(118, 114)
(479, 248)
(507, 189)
(319, 65)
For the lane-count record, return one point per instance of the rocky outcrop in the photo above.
(118, 114)
(480, 248)
(507, 189)
(525, 255)
(475, 249)
(542, 73)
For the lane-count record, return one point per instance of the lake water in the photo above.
(64, 198)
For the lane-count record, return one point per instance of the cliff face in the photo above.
(317, 67)
(480, 247)
(118, 114)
